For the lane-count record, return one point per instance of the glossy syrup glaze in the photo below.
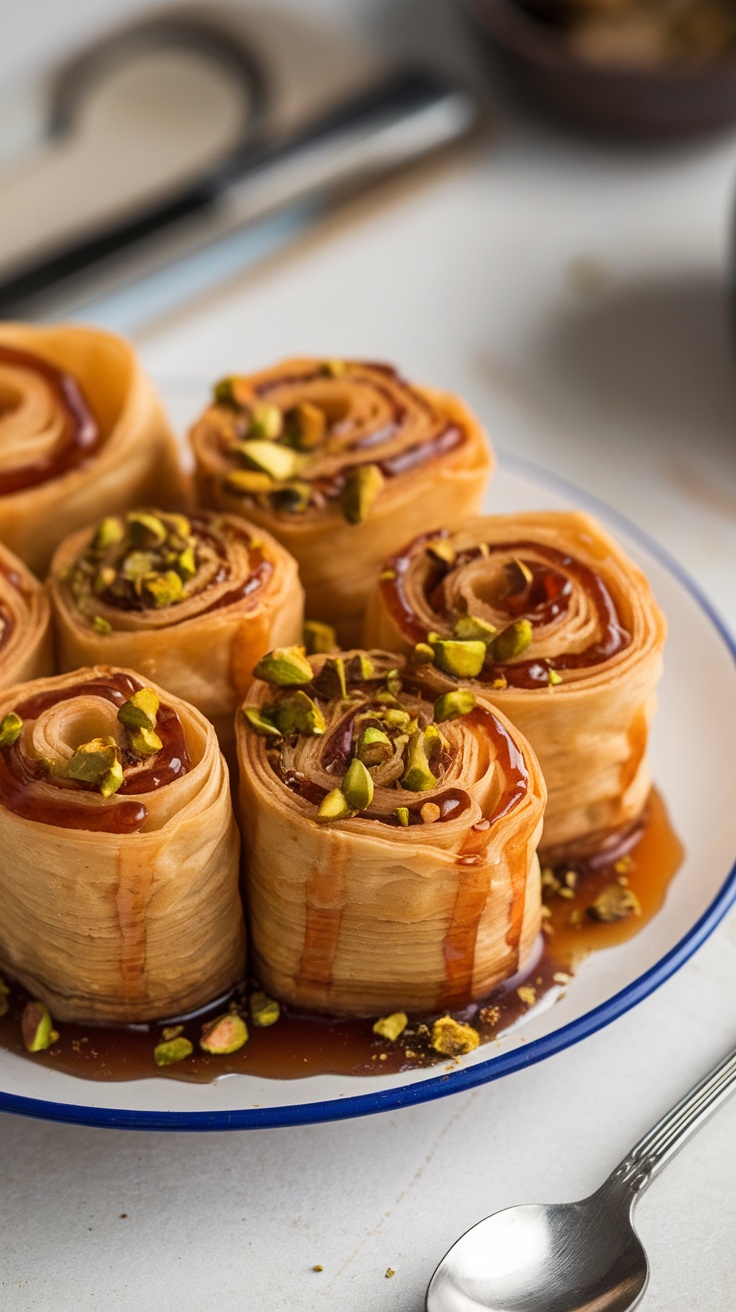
(301, 1044)
(27, 789)
(543, 599)
(80, 433)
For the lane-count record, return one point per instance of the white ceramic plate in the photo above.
(692, 756)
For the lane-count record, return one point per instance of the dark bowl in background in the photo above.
(664, 103)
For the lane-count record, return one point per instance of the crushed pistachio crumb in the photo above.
(527, 994)
(390, 1027)
(171, 1051)
(452, 1038)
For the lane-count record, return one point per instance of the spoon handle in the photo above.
(651, 1153)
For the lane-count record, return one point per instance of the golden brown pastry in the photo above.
(545, 613)
(390, 839)
(190, 602)
(26, 645)
(342, 462)
(82, 434)
(119, 881)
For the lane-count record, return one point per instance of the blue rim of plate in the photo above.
(440, 1086)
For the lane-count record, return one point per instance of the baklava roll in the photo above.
(546, 614)
(82, 434)
(191, 602)
(341, 461)
(119, 882)
(26, 644)
(390, 838)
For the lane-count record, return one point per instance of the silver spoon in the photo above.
(573, 1257)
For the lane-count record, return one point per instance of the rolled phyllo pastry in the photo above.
(190, 602)
(546, 614)
(26, 645)
(119, 881)
(390, 837)
(341, 461)
(82, 433)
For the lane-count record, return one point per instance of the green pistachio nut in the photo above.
(395, 718)
(360, 668)
(334, 368)
(10, 729)
(279, 462)
(145, 530)
(331, 682)
(418, 777)
(305, 426)
(186, 563)
(140, 710)
(101, 625)
(393, 683)
(402, 815)
(293, 497)
(224, 1035)
(463, 659)
(266, 421)
(247, 482)
(171, 1051)
(362, 485)
(178, 525)
(471, 628)
(334, 806)
(434, 741)
(374, 747)
(104, 579)
(285, 667)
(553, 678)
(451, 705)
(264, 1011)
(108, 533)
(390, 1027)
(260, 720)
(422, 654)
(37, 1027)
(442, 549)
(357, 786)
(318, 637)
(145, 742)
(223, 393)
(511, 641)
(297, 713)
(136, 564)
(164, 589)
(92, 761)
(113, 779)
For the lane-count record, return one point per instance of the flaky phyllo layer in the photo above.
(390, 836)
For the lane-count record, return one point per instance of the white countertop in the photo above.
(625, 383)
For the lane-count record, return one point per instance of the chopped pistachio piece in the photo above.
(92, 761)
(387, 575)
(402, 815)
(463, 659)
(297, 713)
(259, 720)
(471, 627)
(104, 578)
(451, 705)
(224, 1035)
(452, 1038)
(434, 740)
(443, 550)
(140, 710)
(318, 637)
(101, 625)
(390, 1027)
(357, 786)
(334, 368)
(374, 747)
(279, 462)
(294, 496)
(10, 729)
(360, 668)
(224, 393)
(430, 812)
(518, 574)
(330, 681)
(334, 806)
(362, 485)
(615, 903)
(264, 1011)
(37, 1027)
(511, 641)
(247, 482)
(145, 742)
(145, 530)
(305, 426)
(164, 589)
(186, 563)
(266, 421)
(171, 1051)
(113, 779)
(108, 533)
(393, 682)
(418, 777)
(553, 678)
(422, 654)
(285, 667)
(395, 718)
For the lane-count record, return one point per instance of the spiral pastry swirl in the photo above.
(390, 837)
(192, 602)
(119, 887)
(26, 646)
(546, 613)
(339, 460)
(82, 433)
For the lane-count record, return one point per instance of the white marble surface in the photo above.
(463, 275)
